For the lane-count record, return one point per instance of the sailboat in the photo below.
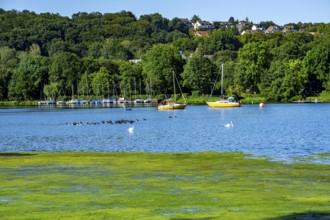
(171, 104)
(224, 102)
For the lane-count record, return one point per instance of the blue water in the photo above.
(281, 132)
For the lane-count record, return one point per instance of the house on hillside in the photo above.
(248, 32)
(272, 29)
(257, 27)
(242, 25)
(289, 28)
(203, 25)
(222, 24)
(202, 33)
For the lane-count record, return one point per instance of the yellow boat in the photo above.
(225, 103)
(171, 104)
(230, 102)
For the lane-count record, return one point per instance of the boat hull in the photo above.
(171, 107)
(220, 104)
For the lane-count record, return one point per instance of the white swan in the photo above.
(131, 129)
(229, 125)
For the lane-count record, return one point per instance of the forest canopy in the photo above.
(102, 55)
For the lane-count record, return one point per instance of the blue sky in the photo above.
(279, 11)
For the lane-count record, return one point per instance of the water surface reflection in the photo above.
(279, 131)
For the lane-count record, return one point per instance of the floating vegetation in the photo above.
(160, 185)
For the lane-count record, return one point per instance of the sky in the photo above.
(279, 11)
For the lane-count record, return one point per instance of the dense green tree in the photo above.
(186, 44)
(199, 74)
(65, 69)
(8, 63)
(129, 75)
(113, 49)
(86, 42)
(159, 63)
(57, 46)
(89, 66)
(85, 84)
(229, 86)
(294, 81)
(253, 61)
(284, 80)
(220, 40)
(317, 63)
(30, 77)
(253, 37)
(95, 50)
(174, 35)
(51, 91)
(231, 20)
(195, 18)
(224, 56)
(179, 25)
(100, 82)
(288, 50)
(271, 81)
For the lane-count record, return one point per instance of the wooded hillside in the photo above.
(91, 54)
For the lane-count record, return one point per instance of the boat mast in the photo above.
(222, 80)
(215, 83)
(72, 93)
(174, 86)
(177, 80)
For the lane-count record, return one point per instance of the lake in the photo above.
(281, 132)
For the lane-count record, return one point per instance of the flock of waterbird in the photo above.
(110, 122)
(125, 121)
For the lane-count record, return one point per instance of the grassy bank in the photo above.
(18, 103)
(159, 186)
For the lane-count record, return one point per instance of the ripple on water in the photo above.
(280, 132)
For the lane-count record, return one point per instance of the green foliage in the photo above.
(159, 63)
(318, 67)
(129, 75)
(100, 82)
(199, 74)
(52, 91)
(29, 78)
(76, 48)
(253, 61)
(287, 79)
(220, 40)
(65, 69)
(8, 63)
(113, 49)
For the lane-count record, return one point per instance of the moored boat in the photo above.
(172, 104)
(223, 102)
(138, 101)
(47, 102)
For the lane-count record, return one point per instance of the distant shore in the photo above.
(193, 100)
